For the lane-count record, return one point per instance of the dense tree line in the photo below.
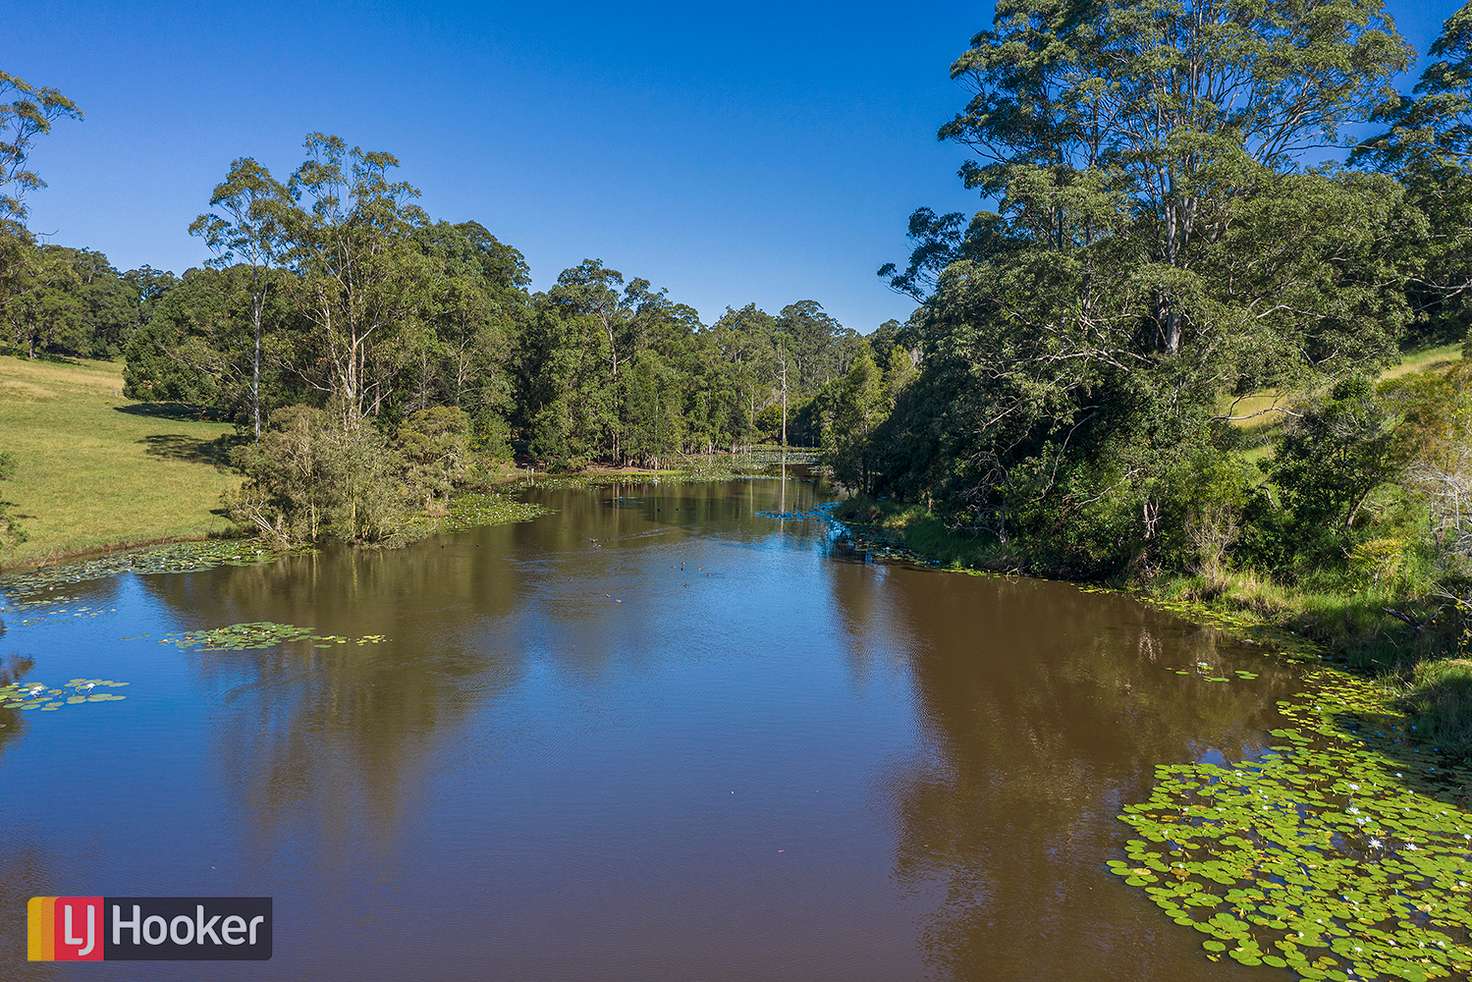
(1168, 234)
(334, 289)
(360, 344)
(364, 345)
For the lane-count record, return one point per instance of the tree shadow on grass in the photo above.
(177, 446)
(168, 410)
(54, 357)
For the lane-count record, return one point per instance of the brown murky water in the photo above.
(657, 735)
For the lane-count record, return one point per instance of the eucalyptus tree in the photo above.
(148, 286)
(248, 226)
(813, 343)
(745, 340)
(478, 307)
(1154, 118)
(589, 293)
(1426, 142)
(858, 404)
(196, 347)
(26, 112)
(651, 409)
(364, 282)
(45, 312)
(609, 321)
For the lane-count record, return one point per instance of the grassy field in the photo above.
(1261, 415)
(95, 471)
(1427, 358)
(1265, 408)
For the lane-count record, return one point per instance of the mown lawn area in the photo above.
(95, 471)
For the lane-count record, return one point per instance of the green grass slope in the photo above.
(95, 471)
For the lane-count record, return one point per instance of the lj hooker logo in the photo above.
(93, 929)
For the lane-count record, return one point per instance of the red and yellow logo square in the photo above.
(64, 929)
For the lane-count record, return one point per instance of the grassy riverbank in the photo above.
(96, 472)
(1409, 665)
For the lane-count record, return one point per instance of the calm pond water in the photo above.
(656, 735)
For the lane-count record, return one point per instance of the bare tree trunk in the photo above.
(256, 315)
(784, 409)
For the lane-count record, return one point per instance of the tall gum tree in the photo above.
(27, 112)
(248, 223)
(365, 282)
(1162, 111)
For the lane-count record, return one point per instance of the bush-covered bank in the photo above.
(1414, 665)
(316, 475)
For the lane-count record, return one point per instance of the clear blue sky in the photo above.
(760, 152)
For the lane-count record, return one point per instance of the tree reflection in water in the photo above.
(1044, 709)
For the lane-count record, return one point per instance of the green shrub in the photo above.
(314, 476)
(1201, 504)
(434, 445)
(1330, 463)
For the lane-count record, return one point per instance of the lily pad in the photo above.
(1318, 855)
(28, 695)
(258, 635)
(183, 557)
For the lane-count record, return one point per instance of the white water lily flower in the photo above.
(1376, 843)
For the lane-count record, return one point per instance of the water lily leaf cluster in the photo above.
(1342, 851)
(1208, 672)
(258, 635)
(478, 510)
(30, 694)
(183, 557)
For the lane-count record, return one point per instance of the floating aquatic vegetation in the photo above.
(1342, 852)
(47, 601)
(477, 510)
(258, 635)
(1212, 673)
(30, 694)
(182, 557)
